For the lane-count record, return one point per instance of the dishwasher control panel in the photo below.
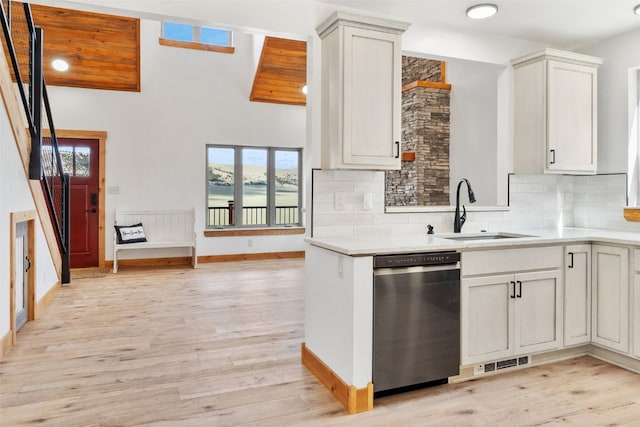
(419, 259)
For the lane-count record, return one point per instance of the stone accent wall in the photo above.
(414, 69)
(425, 131)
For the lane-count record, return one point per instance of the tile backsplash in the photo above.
(351, 203)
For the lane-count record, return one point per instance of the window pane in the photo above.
(66, 155)
(179, 32)
(220, 188)
(286, 185)
(83, 157)
(254, 186)
(214, 36)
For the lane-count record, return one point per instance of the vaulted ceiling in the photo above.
(103, 52)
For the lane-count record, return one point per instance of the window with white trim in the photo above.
(253, 186)
(195, 37)
(196, 34)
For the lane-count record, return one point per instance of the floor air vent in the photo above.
(501, 364)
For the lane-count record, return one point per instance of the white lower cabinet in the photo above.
(610, 297)
(636, 305)
(510, 314)
(577, 295)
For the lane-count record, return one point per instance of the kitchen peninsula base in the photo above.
(338, 347)
(354, 399)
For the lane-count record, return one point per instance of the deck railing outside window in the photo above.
(253, 215)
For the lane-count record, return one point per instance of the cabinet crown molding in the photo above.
(551, 54)
(358, 21)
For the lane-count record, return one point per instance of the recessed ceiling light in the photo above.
(636, 10)
(60, 65)
(482, 11)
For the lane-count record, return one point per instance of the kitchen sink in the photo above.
(483, 236)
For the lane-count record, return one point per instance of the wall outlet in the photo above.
(338, 201)
(367, 201)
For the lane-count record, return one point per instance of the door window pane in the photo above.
(220, 186)
(82, 161)
(76, 162)
(254, 186)
(66, 156)
(287, 190)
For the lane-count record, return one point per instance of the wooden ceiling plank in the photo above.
(281, 72)
(103, 50)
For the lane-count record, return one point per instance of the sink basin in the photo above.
(484, 236)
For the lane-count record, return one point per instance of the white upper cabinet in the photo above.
(555, 113)
(361, 92)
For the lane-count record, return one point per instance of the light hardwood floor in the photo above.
(220, 346)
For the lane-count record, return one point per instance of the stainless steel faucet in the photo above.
(459, 220)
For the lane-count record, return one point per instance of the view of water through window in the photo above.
(255, 167)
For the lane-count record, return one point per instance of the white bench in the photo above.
(163, 229)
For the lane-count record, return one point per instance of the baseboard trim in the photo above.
(46, 300)
(150, 262)
(203, 259)
(250, 257)
(5, 344)
(353, 399)
(620, 360)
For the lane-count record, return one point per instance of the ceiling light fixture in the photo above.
(482, 11)
(636, 10)
(305, 89)
(60, 65)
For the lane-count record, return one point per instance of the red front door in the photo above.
(80, 160)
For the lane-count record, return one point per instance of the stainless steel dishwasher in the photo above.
(416, 319)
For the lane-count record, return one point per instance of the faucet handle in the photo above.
(429, 229)
(463, 217)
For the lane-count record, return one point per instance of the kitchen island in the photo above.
(339, 302)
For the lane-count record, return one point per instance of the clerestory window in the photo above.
(253, 186)
(196, 37)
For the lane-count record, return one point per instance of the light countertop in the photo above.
(374, 245)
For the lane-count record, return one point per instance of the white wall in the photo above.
(620, 54)
(15, 196)
(474, 128)
(156, 138)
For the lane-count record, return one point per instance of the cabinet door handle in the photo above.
(553, 157)
(513, 292)
(571, 260)
(519, 289)
(397, 149)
